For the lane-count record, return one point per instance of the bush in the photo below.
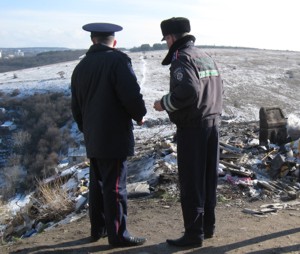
(15, 92)
(12, 177)
(290, 73)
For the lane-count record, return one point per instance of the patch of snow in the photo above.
(83, 173)
(14, 205)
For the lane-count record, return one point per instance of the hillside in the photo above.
(252, 79)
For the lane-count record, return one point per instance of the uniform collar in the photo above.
(99, 47)
(177, 45)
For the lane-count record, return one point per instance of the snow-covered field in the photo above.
(252, 79)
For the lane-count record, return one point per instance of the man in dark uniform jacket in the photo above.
(105, 99)
(194, 104)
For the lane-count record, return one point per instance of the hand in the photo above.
(140, 123)
(157, 106)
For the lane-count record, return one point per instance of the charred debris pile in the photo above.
(260, 158)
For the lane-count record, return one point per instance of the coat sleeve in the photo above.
(76, 112)
(128, 90)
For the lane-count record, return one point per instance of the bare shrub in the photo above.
(61, 74)
(237, 104)
(20, 140)
(15, 92)
(14, 160)
(290, 73)
(50, 164)
(12, 176)
(2, 115)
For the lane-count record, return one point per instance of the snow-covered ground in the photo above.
(252, 79)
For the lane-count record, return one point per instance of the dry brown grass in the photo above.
(53, 202)
(4, 212)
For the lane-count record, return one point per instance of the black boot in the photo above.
(186, 241)
(95, 236)
(129, 241)
(209, 233)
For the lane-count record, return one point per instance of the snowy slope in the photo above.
(252, 79)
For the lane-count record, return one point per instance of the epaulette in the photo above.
(175, 56)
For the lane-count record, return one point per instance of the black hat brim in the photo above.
(102, 28)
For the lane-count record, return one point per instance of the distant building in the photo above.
(19, 53)
(0, 54)
(9, 56)
(15, 54)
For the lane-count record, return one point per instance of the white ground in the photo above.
(252, 79)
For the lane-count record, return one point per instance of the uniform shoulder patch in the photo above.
(178, 73)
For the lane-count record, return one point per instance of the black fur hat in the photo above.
(175, 26)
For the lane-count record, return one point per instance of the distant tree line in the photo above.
(44, 58)
(163, 46)
(147, 47)
(57, 56)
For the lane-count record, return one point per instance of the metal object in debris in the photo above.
(276, 165)
(273, 126)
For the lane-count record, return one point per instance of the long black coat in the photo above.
(105, 99)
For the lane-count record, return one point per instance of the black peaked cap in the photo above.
(102, 28)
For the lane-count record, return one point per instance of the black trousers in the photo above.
(198, 160)
(108, 198)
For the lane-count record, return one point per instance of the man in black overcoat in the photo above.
(105, 99)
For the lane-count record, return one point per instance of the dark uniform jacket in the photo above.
(196, 87)
(105, 99)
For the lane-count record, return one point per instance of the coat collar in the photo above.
(99, 47)
(177, 45)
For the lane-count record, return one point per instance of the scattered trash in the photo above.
(251, 167)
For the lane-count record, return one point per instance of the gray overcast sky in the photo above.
(267, 24)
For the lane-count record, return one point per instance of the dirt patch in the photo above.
(157, 220)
